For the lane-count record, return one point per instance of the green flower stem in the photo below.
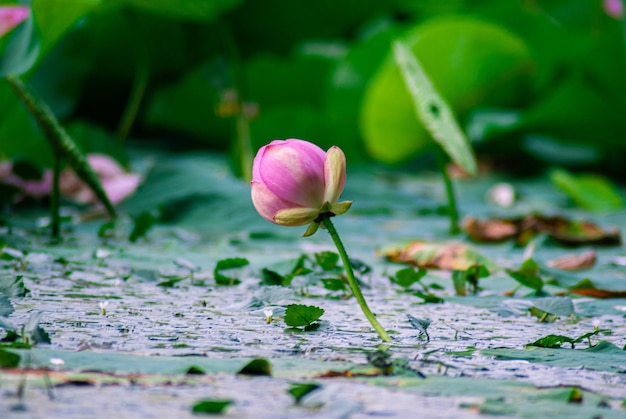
(55, 196)
(453, 211)
(244, 146)
(354, 285)
(60, 140)
(141, 77)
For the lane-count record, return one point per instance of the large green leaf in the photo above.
(201, 10)
(346, 86)
(590, 191)
(22, 49)
(602, 357)
(433, 110)
(470, 63)
(55, 18)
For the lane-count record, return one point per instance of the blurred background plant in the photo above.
(534, 83)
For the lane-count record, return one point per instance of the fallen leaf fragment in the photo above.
(598, 293)
(446, 256)
(574, 262)
(493, 230)
(522, 229)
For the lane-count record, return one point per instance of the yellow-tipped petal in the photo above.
(334, 174)
(341, 207)
(296, 216)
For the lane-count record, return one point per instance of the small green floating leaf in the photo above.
(227, 264)
(270, 277)
(408, 276)
(170, 283)
(211, 406)
(528, 275)
(9, 359)
(588, 191)
(471, 276)
(559, 306)
(552, 341)
(428, 297)
(433, 110)
(300, 390)
(258, 366)
(195, 370)
(327, 260)
(143, 224)
(334, 284)
(300, 315)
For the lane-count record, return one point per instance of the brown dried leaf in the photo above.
(574, 262)
(492, 230)
(561, 229)
(598, 293)
(447, 256)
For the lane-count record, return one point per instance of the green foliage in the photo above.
(55, 18)
(592, 192)
(211, 406)
(604, 356)
(9, 359)
(558, 306)
(528, 275)
(225, 265)
(199, 10)
(300, 315)
(12, 286)
(429, 297)
(61, 142)
(28, 334)
(142, 224)
(301, 390)
(469, 276)
(546, 82)
(432, 110)
(257, 367)
(327, 260)
(555, 341)
(408, 276)
(463, 74)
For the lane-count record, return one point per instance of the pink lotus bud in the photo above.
(294, 181)
(11, 16)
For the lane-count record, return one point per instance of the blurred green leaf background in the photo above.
(534, 83)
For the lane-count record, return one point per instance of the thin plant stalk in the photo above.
(59, 139)
(243, 145)
(140, 81)
(354, 285)
(453, 212)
